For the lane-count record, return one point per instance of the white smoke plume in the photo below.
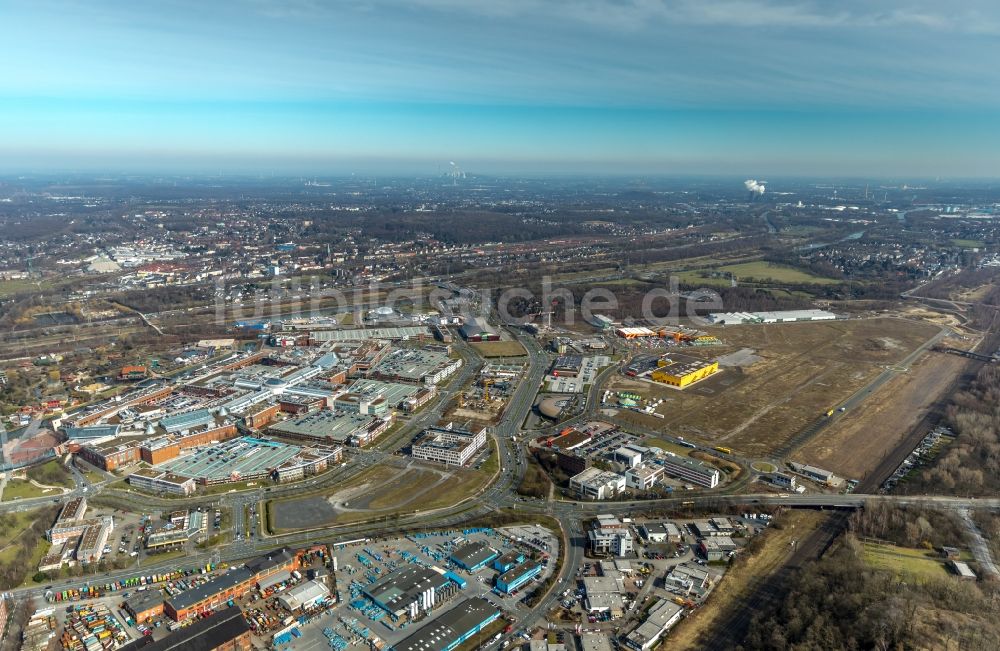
(754, 186)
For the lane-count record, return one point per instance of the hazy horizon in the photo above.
(756, 87)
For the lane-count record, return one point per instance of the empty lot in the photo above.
(804, 370)
(393, 487)
(851, 443)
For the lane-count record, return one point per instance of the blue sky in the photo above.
(503, 86)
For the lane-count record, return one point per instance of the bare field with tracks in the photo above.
(850, 445)
(805, 369)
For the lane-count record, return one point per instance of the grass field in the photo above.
(804, 370)
(492, 463)
(11, 287)
(37, 553)
(390, 489)
(667, 446)
(623, 282)
(786, 293)
(18, 524)
(756, 271)
(19, 532)
(493, 349)
(764, 466)
(969, 244)
(167, 555)
(911, 564)
(801, 229)
(21, 489)
(847, 446)
(214, 541)
(653, 268)
(459, 484)
(51, 473)
(94, 476)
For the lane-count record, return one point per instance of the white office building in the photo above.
(610, 536)
(643, 477)
(597, 484)
(453, 447)
(690, 470)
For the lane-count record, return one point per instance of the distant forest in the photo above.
(475, 227)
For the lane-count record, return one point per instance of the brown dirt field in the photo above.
(805, 369)
(465, 414)
(740, 581)
(943, 318)
(854, 443)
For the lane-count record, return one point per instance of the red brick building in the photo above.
(231, 585)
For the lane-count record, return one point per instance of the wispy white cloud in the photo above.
(977, 16)
(708, 54)
(584, 78)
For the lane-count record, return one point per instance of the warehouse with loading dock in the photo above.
(223, 631)
(474, 556)
(680, 371)
(452, 628)
(786, 316)
(478, 330)
(516, 577)
(233, 584)
(410, 590)
(303, 595)
(662, 617)
(143, 606)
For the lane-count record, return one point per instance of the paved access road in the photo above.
(980, 549)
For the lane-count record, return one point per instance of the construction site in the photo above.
(483, 401)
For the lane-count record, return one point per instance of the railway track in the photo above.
(770, 592)
(934, 416)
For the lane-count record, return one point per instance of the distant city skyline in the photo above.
(752, 87)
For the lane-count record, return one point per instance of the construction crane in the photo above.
(486, 388)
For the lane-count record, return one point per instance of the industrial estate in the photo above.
(432, 466)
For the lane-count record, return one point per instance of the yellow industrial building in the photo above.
(680, 373)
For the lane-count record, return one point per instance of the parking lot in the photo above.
(606, 438)
(110, 608)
